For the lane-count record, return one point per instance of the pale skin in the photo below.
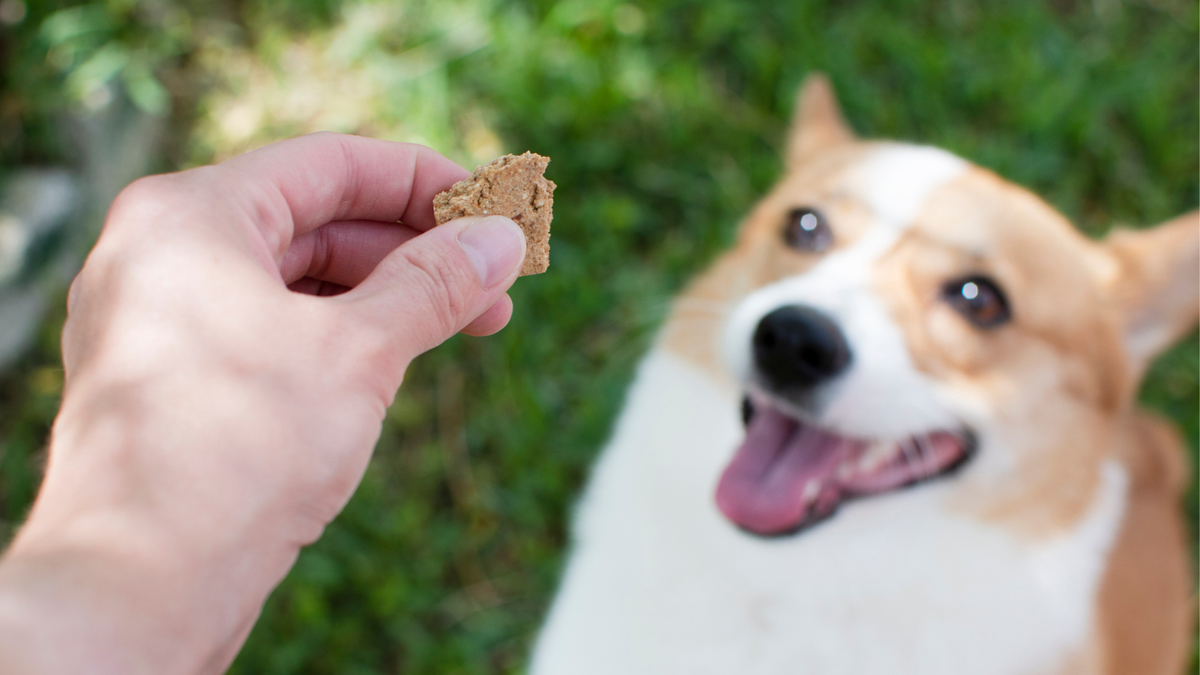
(232, 344)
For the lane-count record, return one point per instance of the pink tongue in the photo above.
(765, 489)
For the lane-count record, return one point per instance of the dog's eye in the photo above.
(806, 230)
(979, 300)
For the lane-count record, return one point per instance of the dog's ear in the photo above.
(817, 122)
(1156, 285)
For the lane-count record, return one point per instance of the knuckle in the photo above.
(74, 292)
(159, 195)
(148, 193)
(145, 201)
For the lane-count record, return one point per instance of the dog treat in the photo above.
(512, 186)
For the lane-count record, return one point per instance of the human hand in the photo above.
(232, 344)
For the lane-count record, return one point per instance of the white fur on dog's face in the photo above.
(881, 394)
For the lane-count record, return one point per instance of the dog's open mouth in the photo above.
(788, 475)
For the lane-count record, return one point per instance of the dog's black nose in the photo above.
(798, 347)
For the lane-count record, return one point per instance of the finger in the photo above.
(436, 284)
(294, 186)
(344, 252)
(493, 318)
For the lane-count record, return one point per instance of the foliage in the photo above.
(663, 119)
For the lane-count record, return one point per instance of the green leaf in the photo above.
(67, 24)
(146, 91)
(97, 70)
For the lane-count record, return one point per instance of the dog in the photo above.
(893, 431)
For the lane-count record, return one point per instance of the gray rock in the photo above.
(49, 218)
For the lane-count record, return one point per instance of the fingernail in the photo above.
(495, 246)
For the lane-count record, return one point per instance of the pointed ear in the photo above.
(817, 122)
(1156, 285)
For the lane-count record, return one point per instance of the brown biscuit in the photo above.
(510, 186)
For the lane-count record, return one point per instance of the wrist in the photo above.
(72, 603)
(108, 593)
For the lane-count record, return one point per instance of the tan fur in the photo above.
(1052, 378)
(1055, 387)
(817, 123)
(1146, 621)
(1155, 284)
(694, 329)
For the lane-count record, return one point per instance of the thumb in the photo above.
(435, 284)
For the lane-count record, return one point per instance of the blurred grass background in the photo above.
(663, 119)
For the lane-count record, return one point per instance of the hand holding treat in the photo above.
(231, 348)
(512, 186)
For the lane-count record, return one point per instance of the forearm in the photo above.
(101, 581)
(74, 609)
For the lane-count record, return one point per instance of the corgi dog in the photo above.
(893, 431)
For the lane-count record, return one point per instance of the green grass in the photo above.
(664, 125)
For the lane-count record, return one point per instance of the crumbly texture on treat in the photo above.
(512, 186)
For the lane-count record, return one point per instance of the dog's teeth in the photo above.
(811, 489)
(876, 454)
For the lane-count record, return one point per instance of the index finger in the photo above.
(300, 184)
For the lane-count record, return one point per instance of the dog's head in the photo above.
(903, 314)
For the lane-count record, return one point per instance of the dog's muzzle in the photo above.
(790, 471)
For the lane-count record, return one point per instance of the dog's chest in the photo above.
(660, 582)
